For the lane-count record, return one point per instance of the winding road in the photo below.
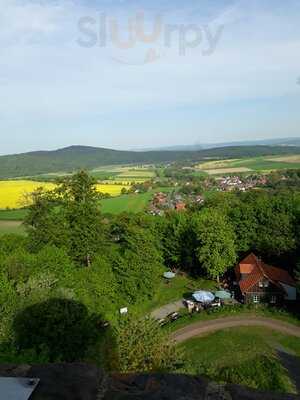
(203, 327)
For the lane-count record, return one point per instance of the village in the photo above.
(186, 194)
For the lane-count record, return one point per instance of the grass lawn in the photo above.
(242, 356)
(176, 289)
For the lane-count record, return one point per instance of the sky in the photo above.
(135, 74)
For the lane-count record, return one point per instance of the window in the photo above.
(273, 299)
(255, 299)
(266, 283)
(261, 284)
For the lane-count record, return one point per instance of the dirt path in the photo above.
(203, 327)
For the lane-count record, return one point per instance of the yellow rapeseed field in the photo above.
(14, 194)
(113, 190)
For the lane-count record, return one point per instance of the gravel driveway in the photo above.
(202, 327)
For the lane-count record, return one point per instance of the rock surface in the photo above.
(80, 381)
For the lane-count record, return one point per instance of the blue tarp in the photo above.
(202, 296)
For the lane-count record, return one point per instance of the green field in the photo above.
(254, 164)
(12, 215)
(129, 203)
(123, 173)
(263, 164)
(244, 356)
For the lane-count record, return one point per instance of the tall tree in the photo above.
(216, 242)
(82, 212)
(45, 223)
(68, 216)
(138, 262)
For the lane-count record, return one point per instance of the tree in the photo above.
(82, 213)
(137, 264)
(142, 346)
(69, 217)
(216, 242)
(175, 226)
(276, 223)
(45, 222)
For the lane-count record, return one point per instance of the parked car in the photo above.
(162, 321)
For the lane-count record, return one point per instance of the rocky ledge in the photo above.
(86, 382)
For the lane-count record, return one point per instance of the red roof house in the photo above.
(260, 282)
(180, 206)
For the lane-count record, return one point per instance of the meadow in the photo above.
(127, 203)
(132, 203)
(119, 174)
(254, 164)
(245, 355)
(123, 174)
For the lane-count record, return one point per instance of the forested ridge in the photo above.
(73, 158)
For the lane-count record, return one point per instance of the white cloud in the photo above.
(45, 74)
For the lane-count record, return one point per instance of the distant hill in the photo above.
(73, 158)
(204, 146)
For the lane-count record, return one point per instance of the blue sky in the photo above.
(215, 71)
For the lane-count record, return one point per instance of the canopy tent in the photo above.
(202, 296)
(169, 275)
(223, 294)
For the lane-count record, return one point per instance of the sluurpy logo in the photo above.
(125, 40)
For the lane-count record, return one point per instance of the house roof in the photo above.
(250, 281)
(256, 270)
(277, 274)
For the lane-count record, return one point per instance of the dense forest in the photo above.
(76, 267)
